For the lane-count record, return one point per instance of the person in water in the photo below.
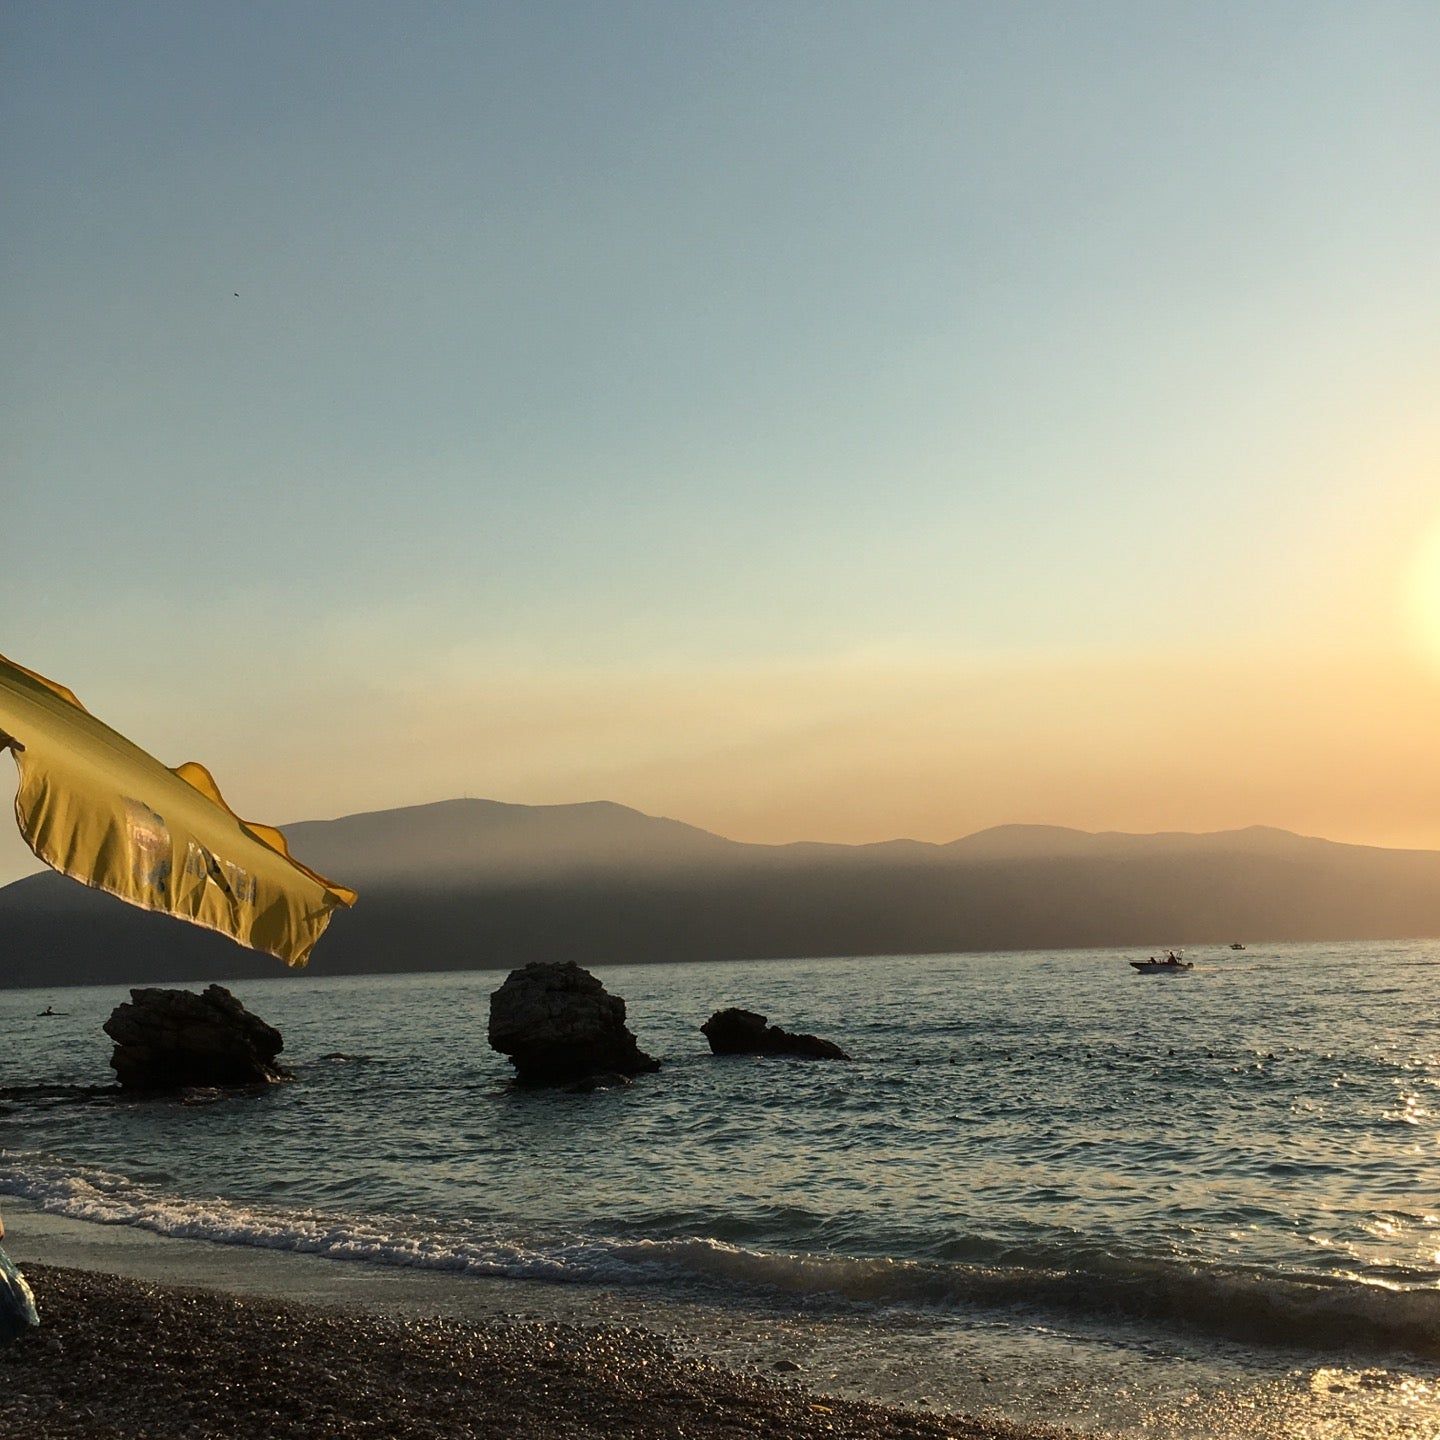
(48, 1010)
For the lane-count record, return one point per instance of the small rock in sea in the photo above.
(559, 1026)
(172, 1039)
(743, 1032)
(788, 1365)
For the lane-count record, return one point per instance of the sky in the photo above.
(808, 420)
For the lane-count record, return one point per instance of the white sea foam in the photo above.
(1248, 1305)
(107, 1199)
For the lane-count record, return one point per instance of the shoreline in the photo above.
(118, 1356)
(833, 1357)
(925, 1374)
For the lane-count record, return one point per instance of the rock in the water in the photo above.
(558, 1024)
(168, 1039)
(743, 1032)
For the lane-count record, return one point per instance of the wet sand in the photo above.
(117, 1357)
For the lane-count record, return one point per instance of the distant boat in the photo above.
(1236, 945)
(1171, 966)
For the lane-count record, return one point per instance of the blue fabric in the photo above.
(17, 1304)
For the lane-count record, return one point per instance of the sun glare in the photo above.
(1425, 596)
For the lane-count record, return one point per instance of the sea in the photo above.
(1048, 1188)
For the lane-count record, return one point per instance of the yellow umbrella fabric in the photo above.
(101, 810)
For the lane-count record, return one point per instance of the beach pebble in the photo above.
(134, 1359)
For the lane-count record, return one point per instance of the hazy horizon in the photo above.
(833, 423)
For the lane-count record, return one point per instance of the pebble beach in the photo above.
(117, 1357)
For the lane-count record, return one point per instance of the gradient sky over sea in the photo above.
(820, 420)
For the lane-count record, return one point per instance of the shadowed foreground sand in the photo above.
(119, 1358)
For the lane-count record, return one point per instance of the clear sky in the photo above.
(822, 420)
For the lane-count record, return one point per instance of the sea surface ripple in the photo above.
(1247, 1151)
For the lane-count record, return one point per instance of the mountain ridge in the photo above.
(472, 883)
(1007, 839)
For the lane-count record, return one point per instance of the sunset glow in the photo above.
(831, 613)
(880, 459)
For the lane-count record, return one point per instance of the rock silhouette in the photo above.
(560, 1026)
(743, 1032)
(170, 1039)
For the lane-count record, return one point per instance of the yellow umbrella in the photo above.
(101, 810)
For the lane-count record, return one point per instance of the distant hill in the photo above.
(476, 884)
(454, 839)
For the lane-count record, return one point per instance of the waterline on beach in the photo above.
(1015, 1369)
(1257, 1307)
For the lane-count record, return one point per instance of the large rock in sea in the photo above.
(743, 1032)
(559, 1025)
(169, 1039)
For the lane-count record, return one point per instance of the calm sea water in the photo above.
(1204, 1191)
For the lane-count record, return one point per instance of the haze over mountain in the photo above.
(467, 884)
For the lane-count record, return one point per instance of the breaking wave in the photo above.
(1251, 1305)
